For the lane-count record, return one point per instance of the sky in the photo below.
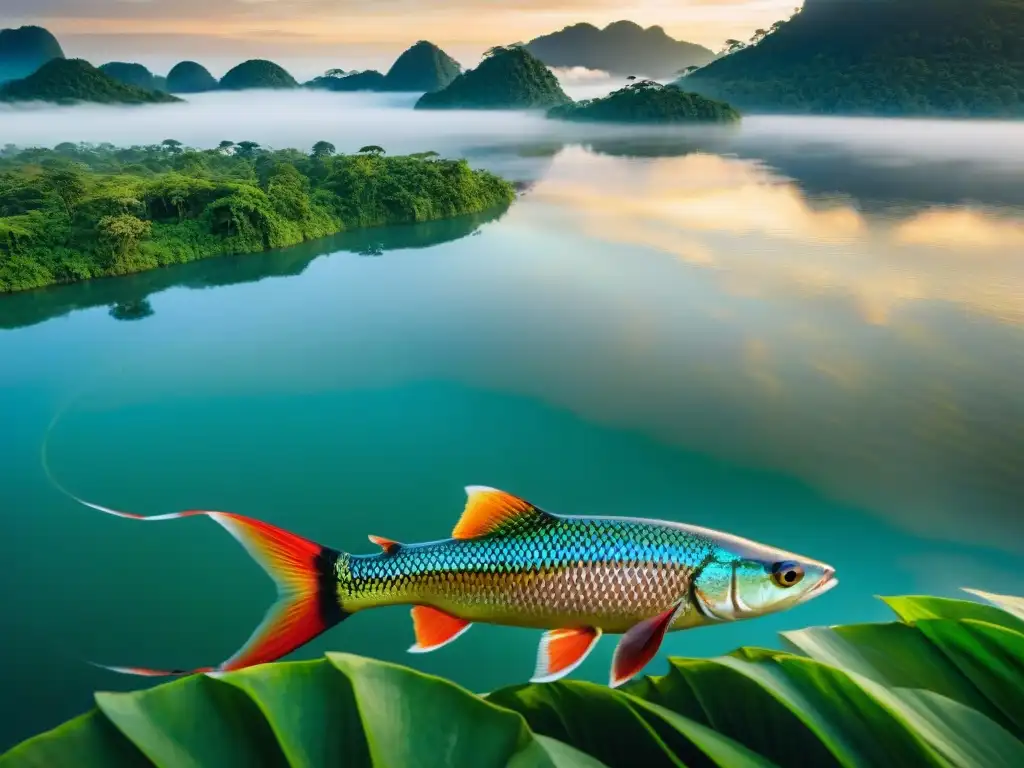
(349, 34)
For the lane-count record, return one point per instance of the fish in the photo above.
(509, 562)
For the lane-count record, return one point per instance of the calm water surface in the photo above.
(810, 333)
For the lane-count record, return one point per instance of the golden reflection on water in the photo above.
(897, 403)
(767, 237)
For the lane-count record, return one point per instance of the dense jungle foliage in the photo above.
(77, 212)
(647, 102)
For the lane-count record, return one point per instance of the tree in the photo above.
(172, 145)
(758, 36)
(731, 46)
(335, 73)
(121, 234)
(68, 186)
(688, 70)
(224, 146)
(371, 149)
(246, 148)
(323, 149)
(631, 77)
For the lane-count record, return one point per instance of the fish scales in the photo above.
(607, 573)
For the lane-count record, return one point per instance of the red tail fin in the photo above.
(304, 572)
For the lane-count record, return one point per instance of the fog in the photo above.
(298, 119)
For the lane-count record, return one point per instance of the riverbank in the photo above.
(79, 212)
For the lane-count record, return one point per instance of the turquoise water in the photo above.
(812, 340)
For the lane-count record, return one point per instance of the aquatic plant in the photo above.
(941, 686)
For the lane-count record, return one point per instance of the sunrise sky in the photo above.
(351, 34)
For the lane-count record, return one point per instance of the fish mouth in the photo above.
(827, 581)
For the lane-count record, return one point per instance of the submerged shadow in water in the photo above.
(127, 296)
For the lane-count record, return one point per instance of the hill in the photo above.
(423, 67)
(621, 48)
(257, 73)
(24, 50)
(886, 57)
(507, 78)
(190, 77)
(130, 74)
(647, 102)
(367, 80)
(68, 81)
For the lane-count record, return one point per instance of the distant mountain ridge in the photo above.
(24, 50)
(69, 81)
(621, 48)
(885, 57)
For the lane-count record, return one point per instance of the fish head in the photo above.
(743, 579)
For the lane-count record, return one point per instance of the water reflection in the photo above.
(126, 296)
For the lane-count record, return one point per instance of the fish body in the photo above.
(549, 571)
(509, 562)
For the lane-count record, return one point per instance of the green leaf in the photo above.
(914, 608)
(310, 707)
(964, 736)
(89, 741)
(194, 723)
(545, 752)
(991, 657)
(1012, 605)
(895, 655)
(582, 714)
(415, 719)
(711, 692)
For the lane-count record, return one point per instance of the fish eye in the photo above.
(787, 574)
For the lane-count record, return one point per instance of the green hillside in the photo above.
(190, 77)
(647, 102)
(884, 57)
(68, 81)
(507, 78)
(257, 73)
(423, 67)
(130, 74)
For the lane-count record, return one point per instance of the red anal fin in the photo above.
(390, 546)
(562, 650)
(640, 644)
(304, 572)
(489, 510)
(435, 628)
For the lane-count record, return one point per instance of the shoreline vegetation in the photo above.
(647, 102)
(78, 211)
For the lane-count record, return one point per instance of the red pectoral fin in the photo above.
(435, 628)
(640, 644)
(562, 650)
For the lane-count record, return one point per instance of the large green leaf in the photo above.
(1009, 603)
(621, 729)
(914, 608)
(895, 655)
(942, 687)
(992, 657)
(88, 740)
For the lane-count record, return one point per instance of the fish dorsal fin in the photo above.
(390, 546)
(489, 510)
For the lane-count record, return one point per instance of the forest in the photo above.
(77, 212)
